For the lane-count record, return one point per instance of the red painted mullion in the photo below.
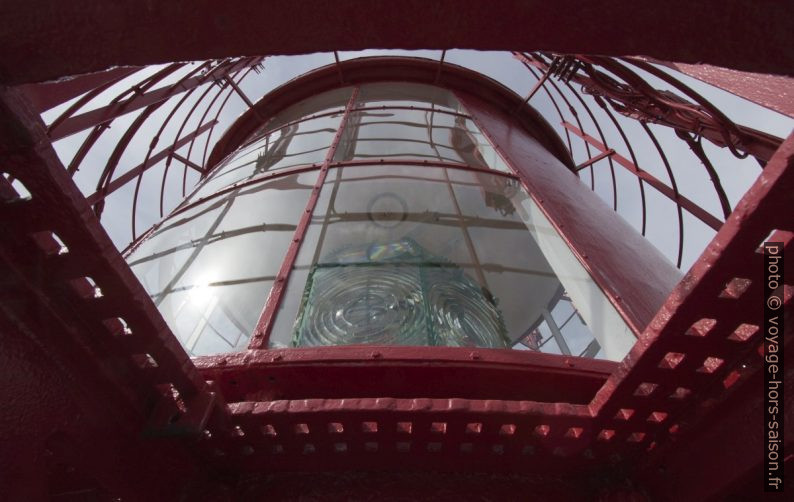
(261, 334)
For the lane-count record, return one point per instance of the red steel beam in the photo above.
(153, 160)
(48, 95)
(589, 162)
(775, 92)
(74, 390)
(375, 371)
(705, 344)
(696, 211)
(188, 162)
(732, 33)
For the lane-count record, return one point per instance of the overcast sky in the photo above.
(662, 227)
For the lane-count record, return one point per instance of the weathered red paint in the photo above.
(98, 35)
(48, 95)
(374, 371)
(775, 92)
(72, 391)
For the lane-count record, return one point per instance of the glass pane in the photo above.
(406, 94)
(297, 144)
(332, 101)
(415, 134)
(210, 269)
(402, 255)
(613, 337)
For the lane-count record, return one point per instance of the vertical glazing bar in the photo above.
(264, 326)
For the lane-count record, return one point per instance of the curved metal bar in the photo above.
(696, 146)
(758, 144)
(348, 163)
(156, 138)
(551, 98)
(633, 159)
(83, 100)
(139, 180)
(727, 122)
(603, 140)
(92, 138)
(187, 117)
(201, 121)
(674, 186)
(121, 146)
(578, 122)
(220, 109)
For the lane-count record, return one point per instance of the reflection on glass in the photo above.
(331, 101)
(394, 254)
(407, 94)
(400, 255)
(415, 134)
(210, 268)
(296, 144)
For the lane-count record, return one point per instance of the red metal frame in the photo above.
(769, 91)
(721, 32)
(80, 396)
(636, 289)
(668, 192)
(72, 346)
(641, 410)
(48, 95)
(151, 161)
(380, 69)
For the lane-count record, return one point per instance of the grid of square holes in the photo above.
(460, 435)
(691, 352)
(102, 299)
